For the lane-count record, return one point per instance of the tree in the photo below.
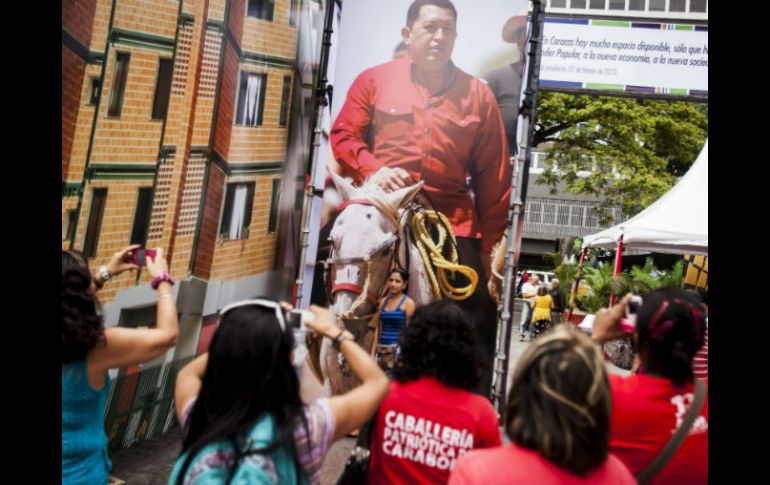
(632, 150)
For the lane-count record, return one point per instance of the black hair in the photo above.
(542, 290)
(414, 9)
(404, 275)
(249, 375)
(670, 329)
(560, 401)
(82, 325)
(440, 342)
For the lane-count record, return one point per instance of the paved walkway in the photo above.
(150, 462)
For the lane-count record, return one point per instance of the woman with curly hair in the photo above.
(432, 414)
(89, 350)
(558, 420)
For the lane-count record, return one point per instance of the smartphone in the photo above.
(628, 324)
(298, 318)
(139, 256)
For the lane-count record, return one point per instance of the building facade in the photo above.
(175, 117)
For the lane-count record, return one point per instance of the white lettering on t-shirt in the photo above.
(682, 403)
(422, 441)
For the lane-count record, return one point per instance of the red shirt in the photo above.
(516, 465)
(422, 427)
(390, 120)
(645, 412)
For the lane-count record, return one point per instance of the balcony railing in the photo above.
(557, 218)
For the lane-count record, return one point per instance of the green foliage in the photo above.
(632, 149)
(603, 284)
(639, 280)
(565, 272)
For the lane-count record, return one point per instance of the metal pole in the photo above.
(616, 272)
(529, 113)
(312, 191)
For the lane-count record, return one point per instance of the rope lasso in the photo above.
(432, 253)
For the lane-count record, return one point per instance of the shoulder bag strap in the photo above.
(679, 436)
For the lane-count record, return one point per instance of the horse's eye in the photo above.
(368, 216)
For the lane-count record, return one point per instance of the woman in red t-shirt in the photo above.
(558, 419)
(649, 406)
(432, 415)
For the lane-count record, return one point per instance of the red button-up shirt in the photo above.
(444, 139)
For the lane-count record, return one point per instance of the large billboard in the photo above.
(424, 108)
(625, 56)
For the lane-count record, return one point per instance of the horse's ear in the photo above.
(401, 197)
(344, 186)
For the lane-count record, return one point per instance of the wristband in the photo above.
(159, 279)
(104, 273)
(337, 341)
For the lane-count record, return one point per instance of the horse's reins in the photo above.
(363, 292)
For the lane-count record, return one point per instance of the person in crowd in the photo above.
(432, 414)
(239, 404)
(649, 406)
(558, 420)
(541, 311)
(395, 310)
(400, 51)
(89, 350)
(528, 293)
(559, 302)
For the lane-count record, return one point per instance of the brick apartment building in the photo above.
(174, 131)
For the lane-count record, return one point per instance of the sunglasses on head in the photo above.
(259, 303)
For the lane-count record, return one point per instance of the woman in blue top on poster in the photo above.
(394, 312)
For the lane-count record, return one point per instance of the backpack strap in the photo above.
(677, 440)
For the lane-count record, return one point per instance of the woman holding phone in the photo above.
(89, 350)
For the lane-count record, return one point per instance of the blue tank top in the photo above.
(392, 323)
(84, 457)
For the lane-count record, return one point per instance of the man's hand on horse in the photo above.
(391, 179)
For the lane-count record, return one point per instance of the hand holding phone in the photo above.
(628, 323)
(139, 256)
(298, 319)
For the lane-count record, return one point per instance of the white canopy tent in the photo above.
(676, 223)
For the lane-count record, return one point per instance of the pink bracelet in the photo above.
(159, 279)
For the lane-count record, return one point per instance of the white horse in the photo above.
(364, 237)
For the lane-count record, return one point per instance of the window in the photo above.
(698, 5)
(93, 90)
(285, 101)
(236, 217)
(119, 76)
(272, 222)
(578, 4)
(596, 4)
(251, 99)
(162, 89)
(293, 13)
(261, 9)
(577, 216)
(141, 216)
(94, 222)
(617, 4)
(636, 5)
(558, 3)
(69, 225)
(657, 5)
(676, 5)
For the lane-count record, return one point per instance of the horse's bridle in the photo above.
(363, 292)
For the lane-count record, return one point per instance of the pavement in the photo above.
(150, 462)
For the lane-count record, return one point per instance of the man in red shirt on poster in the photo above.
(422, 118)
